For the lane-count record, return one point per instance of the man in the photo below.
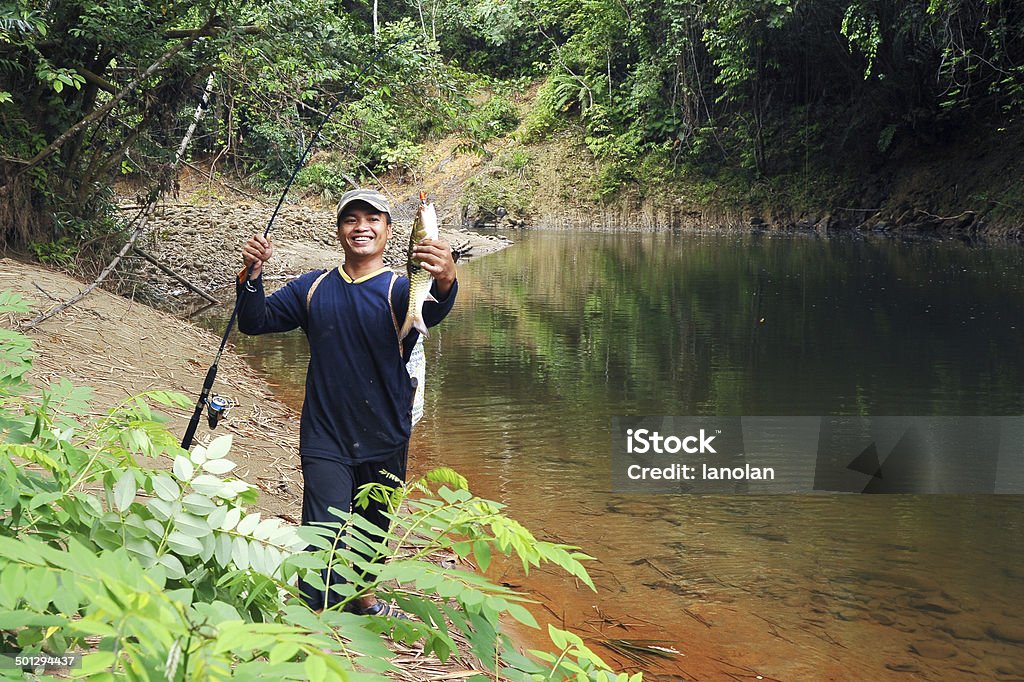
(356, 417)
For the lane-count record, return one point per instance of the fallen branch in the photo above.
(177, 276)
(147, 212)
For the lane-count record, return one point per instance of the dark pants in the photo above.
(326, 484)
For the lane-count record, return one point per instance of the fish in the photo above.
(423, 227)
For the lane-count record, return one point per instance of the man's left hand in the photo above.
(435, 256)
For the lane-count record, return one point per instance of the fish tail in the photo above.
(413, 321)
(420, 326)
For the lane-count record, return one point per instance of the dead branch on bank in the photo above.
(143, 219)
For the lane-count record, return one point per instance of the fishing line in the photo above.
(216, 408)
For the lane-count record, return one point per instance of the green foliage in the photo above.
(720, 86)
(547, 113)
(167, 573)
(495, 117)
(61, 252)
(864, 34)
(506, 184)
(325, 178)
(716, 85)
(61, 63)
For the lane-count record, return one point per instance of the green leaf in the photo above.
(96, 664)
(256, 557)
(222, 549)
(143, 549)
(182, 544)
(266, 529)
(124, 490)
(44, 498)
(216, 516)
(191, 525)
(66, 599)
(165, 488)
(283, 651)
(219, 447)
(558, 637)
(231, 519)
(471, 598)
(306, 560)
(248, 524)
(482, 552)
(161, 510)
(155, 527)
(13, 302)
(9, 620)
(521, 614)
(316, 669)
(447, 476)
(201, 505)
(218, 467)
(30, 454)
(198, 455)
(208, 485)
(175, 569)
(240, 553)
(183, 468)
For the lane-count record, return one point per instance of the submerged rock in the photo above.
(929, 648)
(1007, 632)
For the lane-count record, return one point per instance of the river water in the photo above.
(553, 337)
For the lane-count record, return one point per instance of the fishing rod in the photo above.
(217, 405)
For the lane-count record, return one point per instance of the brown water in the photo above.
(553, 337)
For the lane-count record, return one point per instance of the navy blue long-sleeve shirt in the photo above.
(358, 393)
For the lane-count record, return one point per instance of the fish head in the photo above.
(363, 231)
(425, 225)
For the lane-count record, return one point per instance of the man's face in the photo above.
(363, 231)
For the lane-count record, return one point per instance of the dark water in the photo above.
(553, 337)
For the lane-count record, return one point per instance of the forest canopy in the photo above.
(93, 90)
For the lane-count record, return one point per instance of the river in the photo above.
(553, 337)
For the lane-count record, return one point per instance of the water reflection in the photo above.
(553, 337)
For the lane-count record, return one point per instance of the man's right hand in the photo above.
(256, 252)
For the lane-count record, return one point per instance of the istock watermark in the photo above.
(768, 455)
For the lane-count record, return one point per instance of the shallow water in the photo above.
(553, 337)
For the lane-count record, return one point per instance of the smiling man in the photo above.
(357, 413)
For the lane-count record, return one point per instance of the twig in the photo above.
(699, 618)
(180, 278)
(45, 292)
(657, 568)
(939, 217)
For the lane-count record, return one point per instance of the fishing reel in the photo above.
(217, 407)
